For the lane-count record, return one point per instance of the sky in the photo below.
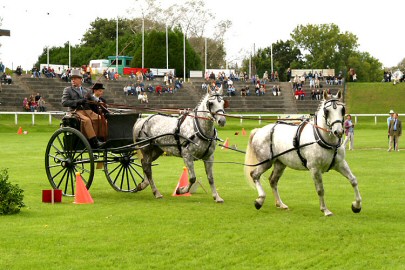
(255, 24)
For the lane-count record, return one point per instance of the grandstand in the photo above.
(51, 89)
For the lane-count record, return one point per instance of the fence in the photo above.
(240, 116)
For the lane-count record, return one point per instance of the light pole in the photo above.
(70, 56)
(116, 48)
(167, 49)
(184, 56)
(143, 40)
(206, 50)
(271, 52)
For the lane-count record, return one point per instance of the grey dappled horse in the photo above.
(313, 145)
(192, 136)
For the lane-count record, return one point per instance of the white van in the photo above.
(98, 66)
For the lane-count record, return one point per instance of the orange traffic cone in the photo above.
(183, 182)
(82, 194)
(20, 131)
(226, 144)
(243, 132)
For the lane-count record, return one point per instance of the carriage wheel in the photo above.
(68, 152)
(122, 171)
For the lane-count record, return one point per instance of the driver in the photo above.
(74, 97)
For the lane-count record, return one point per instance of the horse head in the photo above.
(333, 113)
(216, 106)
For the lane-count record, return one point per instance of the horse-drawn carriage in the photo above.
(191, 136)
(68, 151)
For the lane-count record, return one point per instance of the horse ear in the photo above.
(339, 95)
(220, 90)
(325, 95)
(226, 104)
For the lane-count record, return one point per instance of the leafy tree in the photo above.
(155, 52)
(284, 56)
(367, 68)
(324, 45)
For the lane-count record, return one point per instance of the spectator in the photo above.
(26, 105)
(262, 90)
(178, 84)
(37, 97)
(35, 72)
(265, 77)
(159, 89)
(274, 90)
(9, 80)
(143, 98)
(41, 104)
(276, 78)
(318, 94)
(349, 132)
(18, 71)
(150, 89)
(204, 86)
(166, 79)
(391, 117)
(32, 103)
(395, 131)
(243, 92)
(231, 90)
(313, 94)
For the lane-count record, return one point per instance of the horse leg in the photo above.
(255, 174)
(317, 177)
(191, 175)
(344, 169)
(147, 169)
(273, 179)
(208, 164)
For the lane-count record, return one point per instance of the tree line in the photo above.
(310, 46)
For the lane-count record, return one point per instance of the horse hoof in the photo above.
(258, 205)
(355, 210)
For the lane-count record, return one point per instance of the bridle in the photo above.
(212, 117)
(334, 103)
(219, 98)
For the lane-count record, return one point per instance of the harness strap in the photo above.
(296, 142)
(319, 139)
(271, 139)
(177, 132)
(143, 125)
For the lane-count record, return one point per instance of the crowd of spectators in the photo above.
(136, 86)
(35, 103)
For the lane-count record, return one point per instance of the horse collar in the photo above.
(200, 134)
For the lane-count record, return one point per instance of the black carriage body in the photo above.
(120, 126)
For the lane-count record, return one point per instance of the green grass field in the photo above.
(136, 231)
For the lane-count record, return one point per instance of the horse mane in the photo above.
(201, 100)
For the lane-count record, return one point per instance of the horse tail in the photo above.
(250, 158)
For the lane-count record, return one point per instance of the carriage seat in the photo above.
(71, 120)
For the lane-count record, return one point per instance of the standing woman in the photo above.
(349, 132)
